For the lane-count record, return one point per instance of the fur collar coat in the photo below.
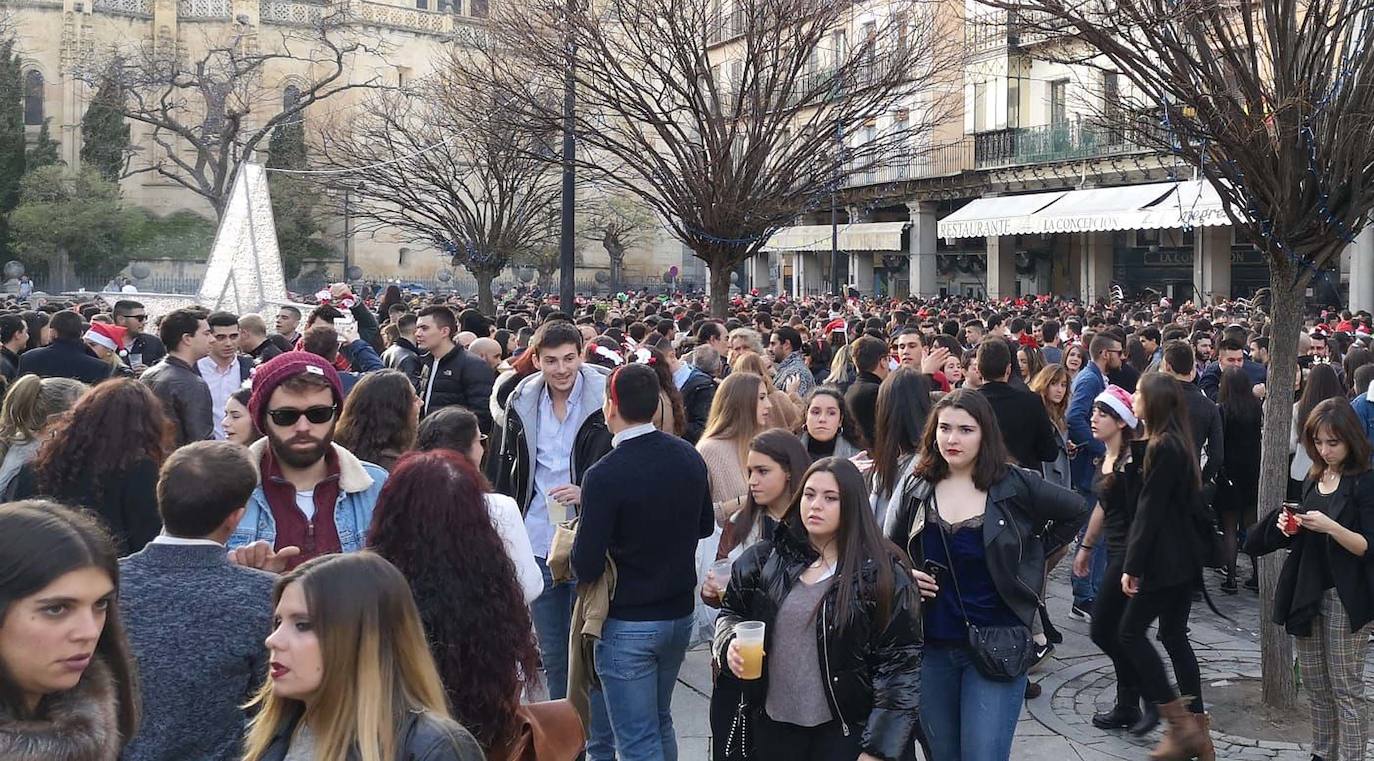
(81, 724)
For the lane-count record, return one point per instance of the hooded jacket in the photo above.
(81, 724)
(871, 667)
(515, 476)
(359, 484)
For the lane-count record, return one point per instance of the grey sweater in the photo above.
(196, 625)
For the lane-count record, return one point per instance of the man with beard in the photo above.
(313, 496)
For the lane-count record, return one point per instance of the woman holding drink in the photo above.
(775, 465)
(828, 597)
(1324, 596)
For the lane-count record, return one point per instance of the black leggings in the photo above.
(1106, 624)
(1170, 606)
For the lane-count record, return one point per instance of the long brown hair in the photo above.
(1040, 384)
(858, 540)
(377, 666)
(989, 465)
(734, 412)
(378, 418)
(116, 424)
(1166, 421)
(901, 413)
(783, 447)
(1338, 417)
(41, 542)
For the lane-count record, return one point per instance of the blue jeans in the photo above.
(552, 614)
(971, 717)
(638, 663)
(1085, 589)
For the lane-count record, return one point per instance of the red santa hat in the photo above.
(107, 335)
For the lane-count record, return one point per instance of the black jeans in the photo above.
(1106, 624)
(1170, 606)
(780, 740)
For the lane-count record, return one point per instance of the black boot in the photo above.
(1120, 717)
(1149, 719)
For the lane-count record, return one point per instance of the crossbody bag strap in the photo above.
(940, 526)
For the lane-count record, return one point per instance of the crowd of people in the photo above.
(393, 526)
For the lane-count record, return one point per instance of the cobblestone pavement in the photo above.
(1076, 681)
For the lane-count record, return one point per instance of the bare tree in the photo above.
(727, 123)
(1273, 102)
(210, 110)
(448, 168)
(618, 223)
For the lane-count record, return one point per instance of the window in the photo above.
(422, 4)
(900, 23)
(450, 6)
(1013, 103)
(980, 106)
(1059, 102)
(478, 8)
(839, 44)
(214, 108)
(1111, 104)
(33, 97)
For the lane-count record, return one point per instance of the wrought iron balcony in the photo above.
(1052, 143)
(943, 161)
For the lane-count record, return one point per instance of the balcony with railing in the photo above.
(1055, 142)
(999, 31)
(942, 161)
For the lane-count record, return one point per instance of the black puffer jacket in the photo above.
(873, 670)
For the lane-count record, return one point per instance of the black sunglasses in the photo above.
(139, 317)
(315, 415)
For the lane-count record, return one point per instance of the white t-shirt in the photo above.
(305, 500)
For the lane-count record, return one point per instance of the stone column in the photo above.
(1096, 270)
(1362, 272)
(760, 273)
(922, 248)
(1212, 263)
(1001, 266)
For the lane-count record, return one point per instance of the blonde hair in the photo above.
(30, 405)
(377, 663)
(734, 411)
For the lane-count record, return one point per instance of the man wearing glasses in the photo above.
(313, 497)
(145, 350)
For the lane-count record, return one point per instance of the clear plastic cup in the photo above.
(749, 635)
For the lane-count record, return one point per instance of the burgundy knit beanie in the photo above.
(282, 367)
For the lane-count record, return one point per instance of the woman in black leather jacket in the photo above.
(840, 610)
(994, 520)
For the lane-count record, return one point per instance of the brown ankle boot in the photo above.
(1184, 737)
(1206, 752)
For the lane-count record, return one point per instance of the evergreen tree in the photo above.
(105, 132)
(294, 199)
(44, 150)
(12, 147)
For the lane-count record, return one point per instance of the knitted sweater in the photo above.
(728, 481)
(196, 625)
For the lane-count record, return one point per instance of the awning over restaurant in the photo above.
(1097, 209)
(1194, 203)
(859, 236)
(999, 215)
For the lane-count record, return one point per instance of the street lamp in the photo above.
(568, 221)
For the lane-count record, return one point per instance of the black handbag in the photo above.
(1000, 653)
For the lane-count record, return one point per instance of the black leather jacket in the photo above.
(422, 737)
(1025, 514)
(186, 397)
(872, 671)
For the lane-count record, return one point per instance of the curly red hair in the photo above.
(432, 522)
